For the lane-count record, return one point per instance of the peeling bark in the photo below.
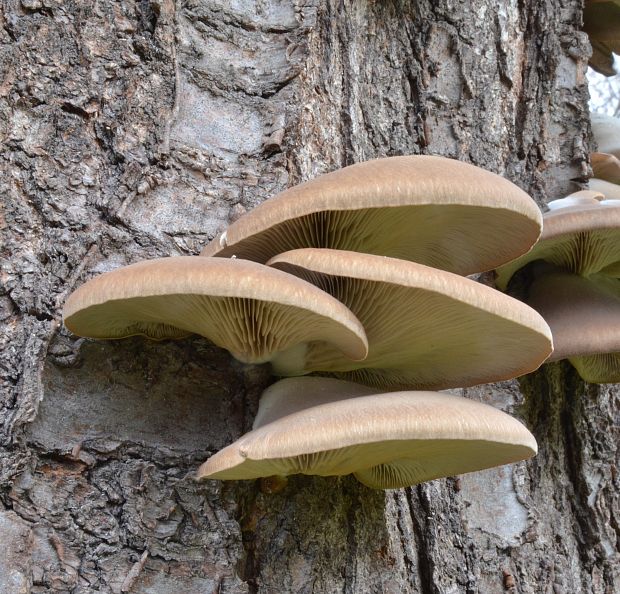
(138, 129)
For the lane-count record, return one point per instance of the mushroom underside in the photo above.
(420, 338)
(410, 436)
(446, 236)
(584, 316)
(584, 253)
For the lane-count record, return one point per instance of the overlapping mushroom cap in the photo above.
(387, 440)
(257, 313)
(426, 328)
(436, 211)
(584, 316)
(583, 239)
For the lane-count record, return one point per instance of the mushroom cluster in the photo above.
(359, 275)
(572, 278)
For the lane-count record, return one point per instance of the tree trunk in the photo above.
(140, 128)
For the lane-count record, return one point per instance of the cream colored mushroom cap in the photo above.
(576, 200)
(584, 240)
(426, 328)
(584, 317)
(388, 440)
(436, 211)
(257, 313)
(606, 131)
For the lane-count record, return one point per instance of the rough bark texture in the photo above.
(139, 128)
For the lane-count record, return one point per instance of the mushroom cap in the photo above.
(606, 131)
(583, 240)
(584, 317)
(426, 328)
(257, 313)
(436, 211)
(606, 167)
(388, 440)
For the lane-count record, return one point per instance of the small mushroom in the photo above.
(576, 199)
(257, 313)
(584, 317)
(609, 190)
(436, 211)
(387, 440)
(606, 166)
(426, 328)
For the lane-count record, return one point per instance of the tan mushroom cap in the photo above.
(426, 328)
(606, 167)
(387, 440)
(257, 313)
(436, 211)
(606, 131)
(584, 240)
(584, 317)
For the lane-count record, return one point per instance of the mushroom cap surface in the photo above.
(606, 167)
(433, 210)
(426, 328)
(387, 440)
(606, 131)
(583, 239)
(584, 317)
(257, 313)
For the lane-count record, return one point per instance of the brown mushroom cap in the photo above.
(387, 440)
(576, 200)
(606, 167)
(583, 240)
(436, 211)
(426, 328)
(584, 317)
(257, 313)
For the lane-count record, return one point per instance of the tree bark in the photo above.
(138, 129)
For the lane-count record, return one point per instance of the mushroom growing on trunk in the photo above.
(387, 441)
(572, 277)
(432, 210)
(257, 313)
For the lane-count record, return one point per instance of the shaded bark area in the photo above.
(139, 129)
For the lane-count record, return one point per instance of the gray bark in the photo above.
(138, 129)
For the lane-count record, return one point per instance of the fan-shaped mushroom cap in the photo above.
(426, 328)
(436, 211)
(584, 317)
(606, 131)
(257, 313)
(583, 240)
(606, 167)
(388, 440)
